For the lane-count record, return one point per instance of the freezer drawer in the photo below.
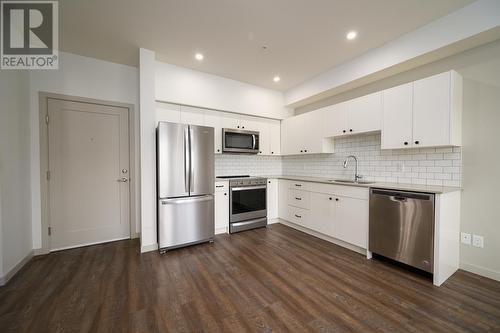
(184, 221)
(402, 227)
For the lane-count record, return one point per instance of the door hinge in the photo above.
(48, 175)
(50, 231)
(47, 119)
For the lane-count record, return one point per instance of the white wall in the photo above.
(82, 77)
(148, 150)
(15, 196)
(481, 160)
(189, 87)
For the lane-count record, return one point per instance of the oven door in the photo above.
(239, 141)
(247, 202)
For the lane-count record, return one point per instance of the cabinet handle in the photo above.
(269, 182)
(350, 130)
(242, 126)
(330, 198)
(225, 193)
(417, 142)
(336, 199)
(272, 152)
(218, 150)
(298, 198)
(219, 186)
(298, 216)
(237, 126)
(298, 185)
(260, 152)
(305, 151)
(406, 143)
(301, 151)
(343, 131)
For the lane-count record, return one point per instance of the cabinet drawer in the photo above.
(298, 215)
(299, 185)
(299, 198)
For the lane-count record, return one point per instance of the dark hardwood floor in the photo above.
(275, 279)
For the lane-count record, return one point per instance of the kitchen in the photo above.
(192, 186)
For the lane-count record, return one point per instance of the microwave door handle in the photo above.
(253, 141)
(187, 161)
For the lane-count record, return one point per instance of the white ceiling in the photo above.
(303, 37)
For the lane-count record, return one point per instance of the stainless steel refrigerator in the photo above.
(185, 184)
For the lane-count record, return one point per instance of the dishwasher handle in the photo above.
(403, 195)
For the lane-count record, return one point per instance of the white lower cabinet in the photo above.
(322, 213)
(351, 221)
(221, 207)
(272, 199)
(336, 211)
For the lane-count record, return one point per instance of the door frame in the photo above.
(134, 182)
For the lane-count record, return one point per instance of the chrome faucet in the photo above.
(357, 177)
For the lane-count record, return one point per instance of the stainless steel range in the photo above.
(247, 203)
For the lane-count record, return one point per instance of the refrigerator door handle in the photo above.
(187, 159)
(191, 171)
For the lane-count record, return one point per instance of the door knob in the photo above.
(123, 180)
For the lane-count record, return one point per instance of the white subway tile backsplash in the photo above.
(432, 166)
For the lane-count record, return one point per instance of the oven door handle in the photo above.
(248, 188)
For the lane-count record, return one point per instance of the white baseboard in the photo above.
(483, 271)
(324, 237)
(40, 252)
(273, 221)
(4, 279)
(149, 248)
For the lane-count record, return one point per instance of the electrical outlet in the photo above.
(477, 241)
(465, 238)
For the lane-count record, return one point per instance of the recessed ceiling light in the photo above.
(351, 35)
(276, 79)
(198, 56)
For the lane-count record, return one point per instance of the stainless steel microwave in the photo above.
(240, 141)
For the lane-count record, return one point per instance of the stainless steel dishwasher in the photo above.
(402, 227)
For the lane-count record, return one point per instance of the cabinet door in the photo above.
(365, 113)
(351, 221)
(272, 198)
(283, 199)
(168, 112)
(289, 136)
(311, 134)
(274, 137)
(262, 126)
(231, 120)
(250, 123)
(322, 213)
(214, 119)
(221, 210)
(192, 116)
(335, 120)
(431, 111)
(397, 117)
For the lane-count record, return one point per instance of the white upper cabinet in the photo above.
(335, 119)
(274, 137)
(365, 114)
(193, 116)
(437, 110)
(303, 134)
(230, 120)
(356, 116)
(168, 112)
(214, 119)
(424, 113)
(262, 126)
(397, 117)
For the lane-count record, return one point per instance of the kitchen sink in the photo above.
(362, 182)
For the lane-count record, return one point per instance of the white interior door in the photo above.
(89, 173)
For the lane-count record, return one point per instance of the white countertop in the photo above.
(392, 186)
